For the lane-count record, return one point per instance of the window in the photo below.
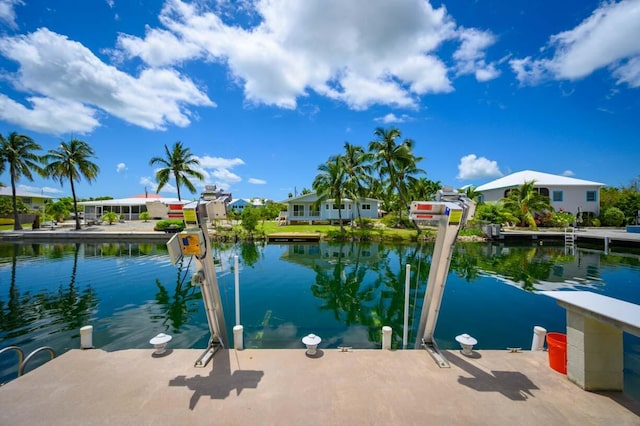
(557, 195)
(592, 196)
(298, 210)
(366, 207)
(314, 210)
(336, 207)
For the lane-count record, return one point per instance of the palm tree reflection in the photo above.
(181, 305)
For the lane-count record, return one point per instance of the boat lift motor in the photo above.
(194, 241)
(450, 212)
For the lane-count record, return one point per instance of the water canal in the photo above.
(344, 293)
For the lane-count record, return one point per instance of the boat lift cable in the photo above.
(449, 212)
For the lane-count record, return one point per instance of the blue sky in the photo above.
(263, 91)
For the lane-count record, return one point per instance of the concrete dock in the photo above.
(287, 387)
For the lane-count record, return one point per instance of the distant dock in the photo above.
(609, 237)
(292, 237)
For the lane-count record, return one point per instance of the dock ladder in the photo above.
(569, 240)
(22, 361)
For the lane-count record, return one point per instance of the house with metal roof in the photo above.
(306, 209)
(32, 200)
(130, 208)
(565, 193)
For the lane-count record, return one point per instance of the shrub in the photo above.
(364, 223)
(6, 221)
(145, 216)
(110, 217)
(613, 216)
(557, 219)
(163, 225)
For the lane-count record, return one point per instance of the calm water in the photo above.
(343, 293)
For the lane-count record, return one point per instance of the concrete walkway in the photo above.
(286, 387)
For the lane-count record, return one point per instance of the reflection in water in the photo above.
(178, 308)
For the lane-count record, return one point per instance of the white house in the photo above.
(131, 207)
(565, 193)
(305, 209)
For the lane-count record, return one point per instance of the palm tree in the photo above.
(71, 161)
(471, 193)
(423, 189)
(525, 201)
(330, 183)
(357, 171)
(394, 162)
(177, 162)
(18, 152)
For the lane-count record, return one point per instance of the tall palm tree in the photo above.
(18, 152)
(71, 161)
(330, 183)
(357, 171)
(178, 162)
(525, 201)
(390, 159)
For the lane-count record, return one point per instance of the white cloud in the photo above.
(217, 171)
(568, 173)
(256, 181)
(121, 167)
(361, 52)
(474, 167)
(49, 115)
(606, 39)
(64, 72)
(152, 186)
(470, 56)
(8, 13)
(392, 118)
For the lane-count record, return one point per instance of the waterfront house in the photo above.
(130, 208)
(565, 193)
(32, 200)
(306, 209)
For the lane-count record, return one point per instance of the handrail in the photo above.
(20, 355)
(32, 354)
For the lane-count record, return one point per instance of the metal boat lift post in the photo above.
(450, 212)
(195, 241)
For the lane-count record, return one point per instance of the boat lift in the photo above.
(450, 212)
(194, 241)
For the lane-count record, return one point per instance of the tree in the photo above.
(18, 152)
(394, 162)
(525, 201)
(330, 183)
(249, 217)
(423, 189)
(357, 170)
(71, 161)
(471, 193)
(178, 162)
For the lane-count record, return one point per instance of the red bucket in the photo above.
(557, 346)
